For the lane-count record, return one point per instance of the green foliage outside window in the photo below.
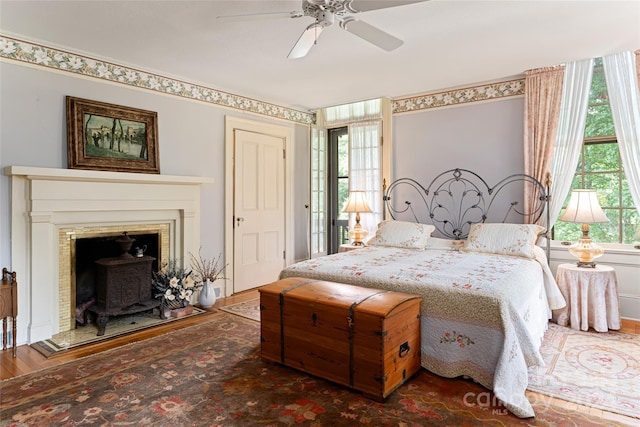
(600, 168)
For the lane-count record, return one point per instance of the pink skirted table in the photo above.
(591, 295)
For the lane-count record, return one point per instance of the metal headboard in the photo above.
(457, 198)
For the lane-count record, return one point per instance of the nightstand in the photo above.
(591, 295)
(349, 247)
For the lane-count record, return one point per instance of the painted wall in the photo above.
(190, 134)
(486, 138)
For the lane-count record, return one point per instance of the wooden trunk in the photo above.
(366, 339)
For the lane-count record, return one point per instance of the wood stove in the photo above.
(123, 285)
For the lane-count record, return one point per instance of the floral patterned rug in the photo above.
(601, 370)
(211, 374)
(249, 309)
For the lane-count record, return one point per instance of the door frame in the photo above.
(286, 133)
(333, 210)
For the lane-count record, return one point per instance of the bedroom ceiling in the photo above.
(447, 43)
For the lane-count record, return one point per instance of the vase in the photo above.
(207, 295)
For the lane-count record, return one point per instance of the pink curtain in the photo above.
(542, 100)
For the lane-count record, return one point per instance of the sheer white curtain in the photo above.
(365, 170)
(622, 85)
(573, 115)
(350, 113)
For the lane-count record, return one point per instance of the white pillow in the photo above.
(437, 243)
(401, 234)
(506, 239)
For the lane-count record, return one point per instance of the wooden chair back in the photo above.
(9, 306)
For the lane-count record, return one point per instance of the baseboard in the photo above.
(630, 325)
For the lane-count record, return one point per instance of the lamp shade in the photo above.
(357, 203)
(584, 208)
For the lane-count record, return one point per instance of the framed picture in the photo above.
(111, 137)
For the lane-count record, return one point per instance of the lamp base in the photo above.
(586, 264)
(586, 250)
(358, 234)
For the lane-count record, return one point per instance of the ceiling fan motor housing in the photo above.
(324, 11)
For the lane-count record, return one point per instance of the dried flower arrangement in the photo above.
(207, 269)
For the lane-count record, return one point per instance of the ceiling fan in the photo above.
(325, 13)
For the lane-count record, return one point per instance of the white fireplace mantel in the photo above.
(44, 200)
(36, 173)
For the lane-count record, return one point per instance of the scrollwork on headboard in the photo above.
(457, 198)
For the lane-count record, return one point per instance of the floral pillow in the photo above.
(506, 239)
(401, 234)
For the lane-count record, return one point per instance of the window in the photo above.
(600, 168)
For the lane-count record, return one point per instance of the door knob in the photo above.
(239, 220)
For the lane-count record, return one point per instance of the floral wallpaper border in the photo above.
(19, 50)
(23, 51)
(491, 91)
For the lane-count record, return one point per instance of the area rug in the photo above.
(582, 367)
(249, 309)
(116, 326)
(601, 370)
(211, 374)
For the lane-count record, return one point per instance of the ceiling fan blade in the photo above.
(365, 5)
(371, 34)
(306, 41)
(259, 16)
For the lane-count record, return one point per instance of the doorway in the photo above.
(338, 178)
(257, 203)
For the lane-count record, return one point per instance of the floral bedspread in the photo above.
(482, 315)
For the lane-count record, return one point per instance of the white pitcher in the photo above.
(207, 296)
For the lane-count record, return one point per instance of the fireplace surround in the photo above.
(51, 207)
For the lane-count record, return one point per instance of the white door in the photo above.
(259, 209)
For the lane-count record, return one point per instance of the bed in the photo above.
(487, 289)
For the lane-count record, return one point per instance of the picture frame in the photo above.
(110, 137)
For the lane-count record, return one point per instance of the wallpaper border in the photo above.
(48, 57)
(28, 52)
(486, 92)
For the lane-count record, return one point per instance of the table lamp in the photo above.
(357, 203)
(584, 208)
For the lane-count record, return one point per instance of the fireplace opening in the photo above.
(91, 249)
